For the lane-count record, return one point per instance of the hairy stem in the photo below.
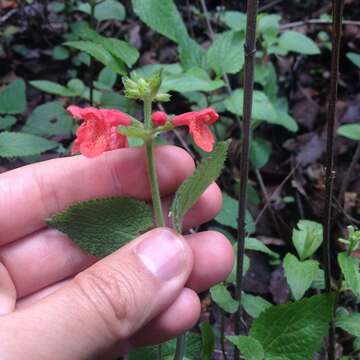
(250, 50)
(330, 173)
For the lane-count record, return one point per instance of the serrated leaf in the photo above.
(297, 42)
(230, 43)
(222, 297)
(102, 226)
(192, 188)
(262, 107)
(15, 144)
(349, 323)
(52, 88)
(354, 58)
(13, 98)
(208, 341)
(121, 50)
(250, 348)
(307, 238)
(294, 331)
(106, 10)
(299, 274)
(350, 131)
(229, 213)
(254, 305)
(235, 20)
(7, 122)
(49, 119)
(350, 268)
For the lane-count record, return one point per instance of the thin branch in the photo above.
(330, 173)
(315, 22)
(269, 5)
(250, 50)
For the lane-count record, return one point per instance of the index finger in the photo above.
(32, 193)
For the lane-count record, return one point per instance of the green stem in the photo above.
(180, 347)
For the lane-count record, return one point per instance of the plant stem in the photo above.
(250, 50)
(330, 173)
(180, 347)
(91, 69)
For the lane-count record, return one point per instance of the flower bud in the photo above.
(163, 97)
(159, 118)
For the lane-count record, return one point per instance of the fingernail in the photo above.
(163, 253)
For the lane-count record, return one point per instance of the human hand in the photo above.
(142, 294)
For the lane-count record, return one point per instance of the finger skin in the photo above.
(32, 193)
(48, 256)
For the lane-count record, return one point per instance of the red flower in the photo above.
(98, 132)
(159, 118)
(198, 122)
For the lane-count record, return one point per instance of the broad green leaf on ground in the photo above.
(13, 98)
(307, 238)
(349, 323)
(15, 144)
(192, 350)
(256, 245)
(163, 17)
(195, 79)
(250, 348)
(350, 131)
(294, 331)
(350, 268)
(229, 214)
(235, 20)
(297, 42)
(230, 43)
(106, 10)
(222, 297)
(208, 341)
(191, 189)
(53, 88)
(254, 305)
(98, 52)
(283, 118)
(49, 119)
(102, 226)
(260, 151)
(262, 107)
(60, 53)
(299, 274)
(7, 122)
(354, 58)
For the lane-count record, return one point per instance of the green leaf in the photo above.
(260, 152)
(52, 88)
(7, 122)
(230, 43)
(299, 274)
(229, 213)
(269, 27)
(60, 53)
(308, 238)
(235, 20)
(15, 144)
(77, 86)
(297, 42)
(350, 268)
(102, 226)
(106, 79)
(294, 331)
(13, 98)
(354, 58)
(49, 119)
(350, 131)
(163, 17)
(222, 297)
(106, 10)
(121, 50)
(262, 107)
(250, 348)
(191, 189)
(349, 323)
(208, 341)
(256, 245)
(254, 305)
(231, 279)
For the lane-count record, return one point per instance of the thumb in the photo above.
(106, 303)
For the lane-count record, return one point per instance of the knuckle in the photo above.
(111, 294)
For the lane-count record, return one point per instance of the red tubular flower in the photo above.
(159, 118)
(198, 122)
(98, 132)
